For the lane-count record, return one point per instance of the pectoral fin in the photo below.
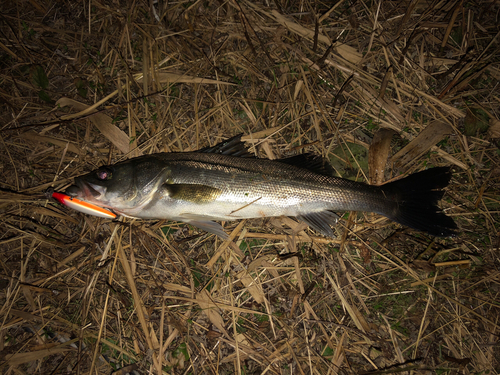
(191, 192)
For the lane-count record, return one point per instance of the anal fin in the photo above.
(321, 221)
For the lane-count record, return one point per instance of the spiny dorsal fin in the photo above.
(232, 147)
(311, 162)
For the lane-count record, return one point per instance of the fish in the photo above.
(227, 182)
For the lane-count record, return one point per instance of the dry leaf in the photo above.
(183, 78)
(102, 122)
(210, 309)
(378, 154)
(20, 358)
(353, 311)
(373, 97)
(347, 52)
(251, 285)
(423, 265)
(432, 134)
(494, 129)
(35, 137)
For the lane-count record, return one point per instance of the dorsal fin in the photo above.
(231, 147)
(311, 162)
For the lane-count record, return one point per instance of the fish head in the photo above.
(124, 187)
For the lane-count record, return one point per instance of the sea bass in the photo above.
(225, 182)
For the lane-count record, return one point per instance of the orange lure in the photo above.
(85, 207)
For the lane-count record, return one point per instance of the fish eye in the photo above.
(104, 174)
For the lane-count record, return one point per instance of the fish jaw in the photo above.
(84, 190)
(93, 195)
(87, 192)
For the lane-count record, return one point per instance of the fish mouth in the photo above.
(73, 191)
(85, 190)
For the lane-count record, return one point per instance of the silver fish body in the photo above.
(199, 187)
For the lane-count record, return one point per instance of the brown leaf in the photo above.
(347, 52)
(494, 129)
(210, 309)
(35, 137)
(103, 123)
(378, 155)
(211, 334)
(366, 254)
(20, 358)
(432, 134)
(423, 265)
(183, 78)
(251, 285)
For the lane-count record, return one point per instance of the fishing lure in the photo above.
(85, 207)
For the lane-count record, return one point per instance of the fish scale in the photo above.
(285, 188)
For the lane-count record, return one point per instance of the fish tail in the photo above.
(415, 201)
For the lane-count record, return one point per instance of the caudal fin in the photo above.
(416, 198)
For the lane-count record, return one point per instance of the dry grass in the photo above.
(90, 83)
